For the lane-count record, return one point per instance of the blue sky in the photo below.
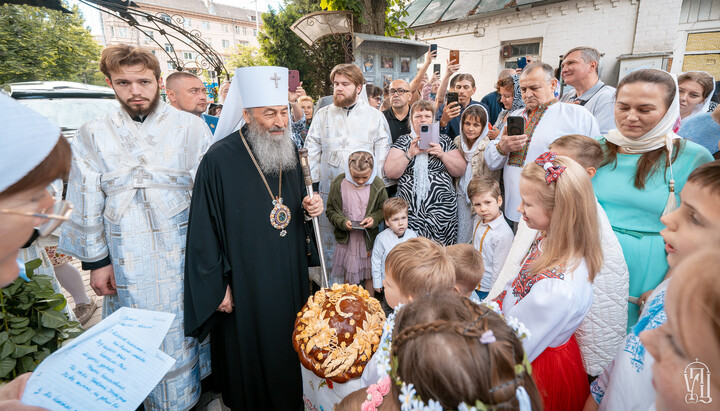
(92, 19)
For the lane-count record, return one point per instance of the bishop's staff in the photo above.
(308, 184)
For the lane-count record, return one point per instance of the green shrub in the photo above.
(32, 324)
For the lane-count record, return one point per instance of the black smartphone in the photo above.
(293, 80)
(521, 62)
(433, 47)
(452, 97)
(436, 69)
(515, 125)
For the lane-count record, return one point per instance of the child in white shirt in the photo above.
(492, 236)
(395, 213)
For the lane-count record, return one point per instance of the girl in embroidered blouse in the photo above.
(552, 292)
(355, 209)
(452, 354)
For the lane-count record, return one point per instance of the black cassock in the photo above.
(230, 241)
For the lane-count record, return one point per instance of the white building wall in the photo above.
(607, 25)
(657, 26)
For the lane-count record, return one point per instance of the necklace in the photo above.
(280, 214)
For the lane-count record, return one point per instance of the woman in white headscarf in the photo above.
(425, 178)
(33, 155)
(472, 141)
(695, 89)
(646, 165)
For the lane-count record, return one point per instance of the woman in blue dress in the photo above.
(646, 165)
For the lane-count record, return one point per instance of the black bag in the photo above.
(311, 249)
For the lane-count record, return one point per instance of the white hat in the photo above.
(27, 138)
(261, 86)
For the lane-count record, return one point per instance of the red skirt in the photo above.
(560, 377)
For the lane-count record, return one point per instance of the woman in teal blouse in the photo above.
(637, 183)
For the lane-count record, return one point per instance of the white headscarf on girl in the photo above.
(370, 180)
(705, 106)
(662, 135)
(469, 152)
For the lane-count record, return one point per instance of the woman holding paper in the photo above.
(425, 178)
(33, 155)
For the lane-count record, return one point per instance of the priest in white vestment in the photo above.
(131, 179)
(348, 125)
(546, 120)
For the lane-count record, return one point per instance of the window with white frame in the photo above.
(206, 25)
(520, 48)
(188, 55)
(225, 28)
(166, 18)
(170, 65)
(187, 23)
(169, 48)
(226, 43)
(122, 32)
(237, 29)
(254, 32)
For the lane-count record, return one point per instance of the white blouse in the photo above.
(551, 304)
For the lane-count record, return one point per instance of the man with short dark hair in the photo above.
(131, 180)
(186, 92)
(545, 121)
(398, 115)
(580, 69)
(449, 116)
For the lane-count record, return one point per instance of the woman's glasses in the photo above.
(61, 212)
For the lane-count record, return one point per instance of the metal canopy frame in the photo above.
(170, 28)
(338, 24)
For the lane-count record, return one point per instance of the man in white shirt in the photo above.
(580, 70)
(545, 120)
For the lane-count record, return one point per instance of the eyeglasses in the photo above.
(60, 213)
(399, 91)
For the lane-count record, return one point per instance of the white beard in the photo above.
(273, 153)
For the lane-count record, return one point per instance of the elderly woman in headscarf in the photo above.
(510, 97)
(426, 178)
(646, 165)
(472, 141)
(33, 155)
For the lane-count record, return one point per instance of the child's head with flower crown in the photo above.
(449, 352)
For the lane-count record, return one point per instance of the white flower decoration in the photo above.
(493, 306)
(433, 406)
(407, 397)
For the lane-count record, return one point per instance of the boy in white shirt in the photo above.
(492, 236)
(395, 213)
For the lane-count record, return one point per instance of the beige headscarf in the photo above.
(662, 135)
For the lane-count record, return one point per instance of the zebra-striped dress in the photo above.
(435, 216)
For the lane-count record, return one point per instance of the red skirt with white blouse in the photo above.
(560, 377)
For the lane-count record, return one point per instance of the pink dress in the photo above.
(352, 260)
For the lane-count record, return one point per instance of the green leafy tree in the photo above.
(380, 17)
(42, 44)
(245, 56)
(283, 47)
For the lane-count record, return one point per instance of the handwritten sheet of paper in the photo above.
(112, 366)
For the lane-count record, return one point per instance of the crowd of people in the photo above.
(539, 250)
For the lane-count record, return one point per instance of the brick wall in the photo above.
(657, 26)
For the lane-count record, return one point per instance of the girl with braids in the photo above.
(450, 353)
(646, 165)
(356, 196)
(552, 292)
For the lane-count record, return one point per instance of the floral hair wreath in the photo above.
(411, 401)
